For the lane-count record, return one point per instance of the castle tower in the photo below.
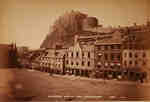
(89, 22)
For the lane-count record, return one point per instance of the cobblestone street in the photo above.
(30, 85)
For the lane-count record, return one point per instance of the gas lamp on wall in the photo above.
(100, 54)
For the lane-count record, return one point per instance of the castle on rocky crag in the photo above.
(101, 52)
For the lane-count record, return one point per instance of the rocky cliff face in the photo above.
(64, 29)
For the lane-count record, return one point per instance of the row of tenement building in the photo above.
(99, 52)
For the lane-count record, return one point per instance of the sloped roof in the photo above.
(61, 55)
(101, 29)
(113, 38)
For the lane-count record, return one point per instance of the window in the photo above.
(144, 55)
(71, 63)
(88, 63)
(106, 47)
(112, 47)
(112, 56)
(125, 46)
(77, 63)
(72, 54)
(67, 62)
(88, 54)
(133, 38)
(46, 53)
(56, 53)
(125, 63)
(131, 74)
(118, 46)
(136, 55)
(130, 46)
(99, 48)
(67, 54)
(136, 63)
(77, 54)
(118, 56)
(144, 63)
(130, 62)
(83, 54)
(130, 54)
(82, 63)
(106, 57)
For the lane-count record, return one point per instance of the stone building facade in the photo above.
(134, 58)
(52, 60)
(80, 59)
(94, 52)
(134, 53)
(108, 51)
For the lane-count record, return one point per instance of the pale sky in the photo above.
(27, 22)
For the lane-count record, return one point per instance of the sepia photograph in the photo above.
(74, 50)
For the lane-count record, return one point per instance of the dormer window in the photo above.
(56, 53)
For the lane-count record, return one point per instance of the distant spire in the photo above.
(12, 43)
(135, 24)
